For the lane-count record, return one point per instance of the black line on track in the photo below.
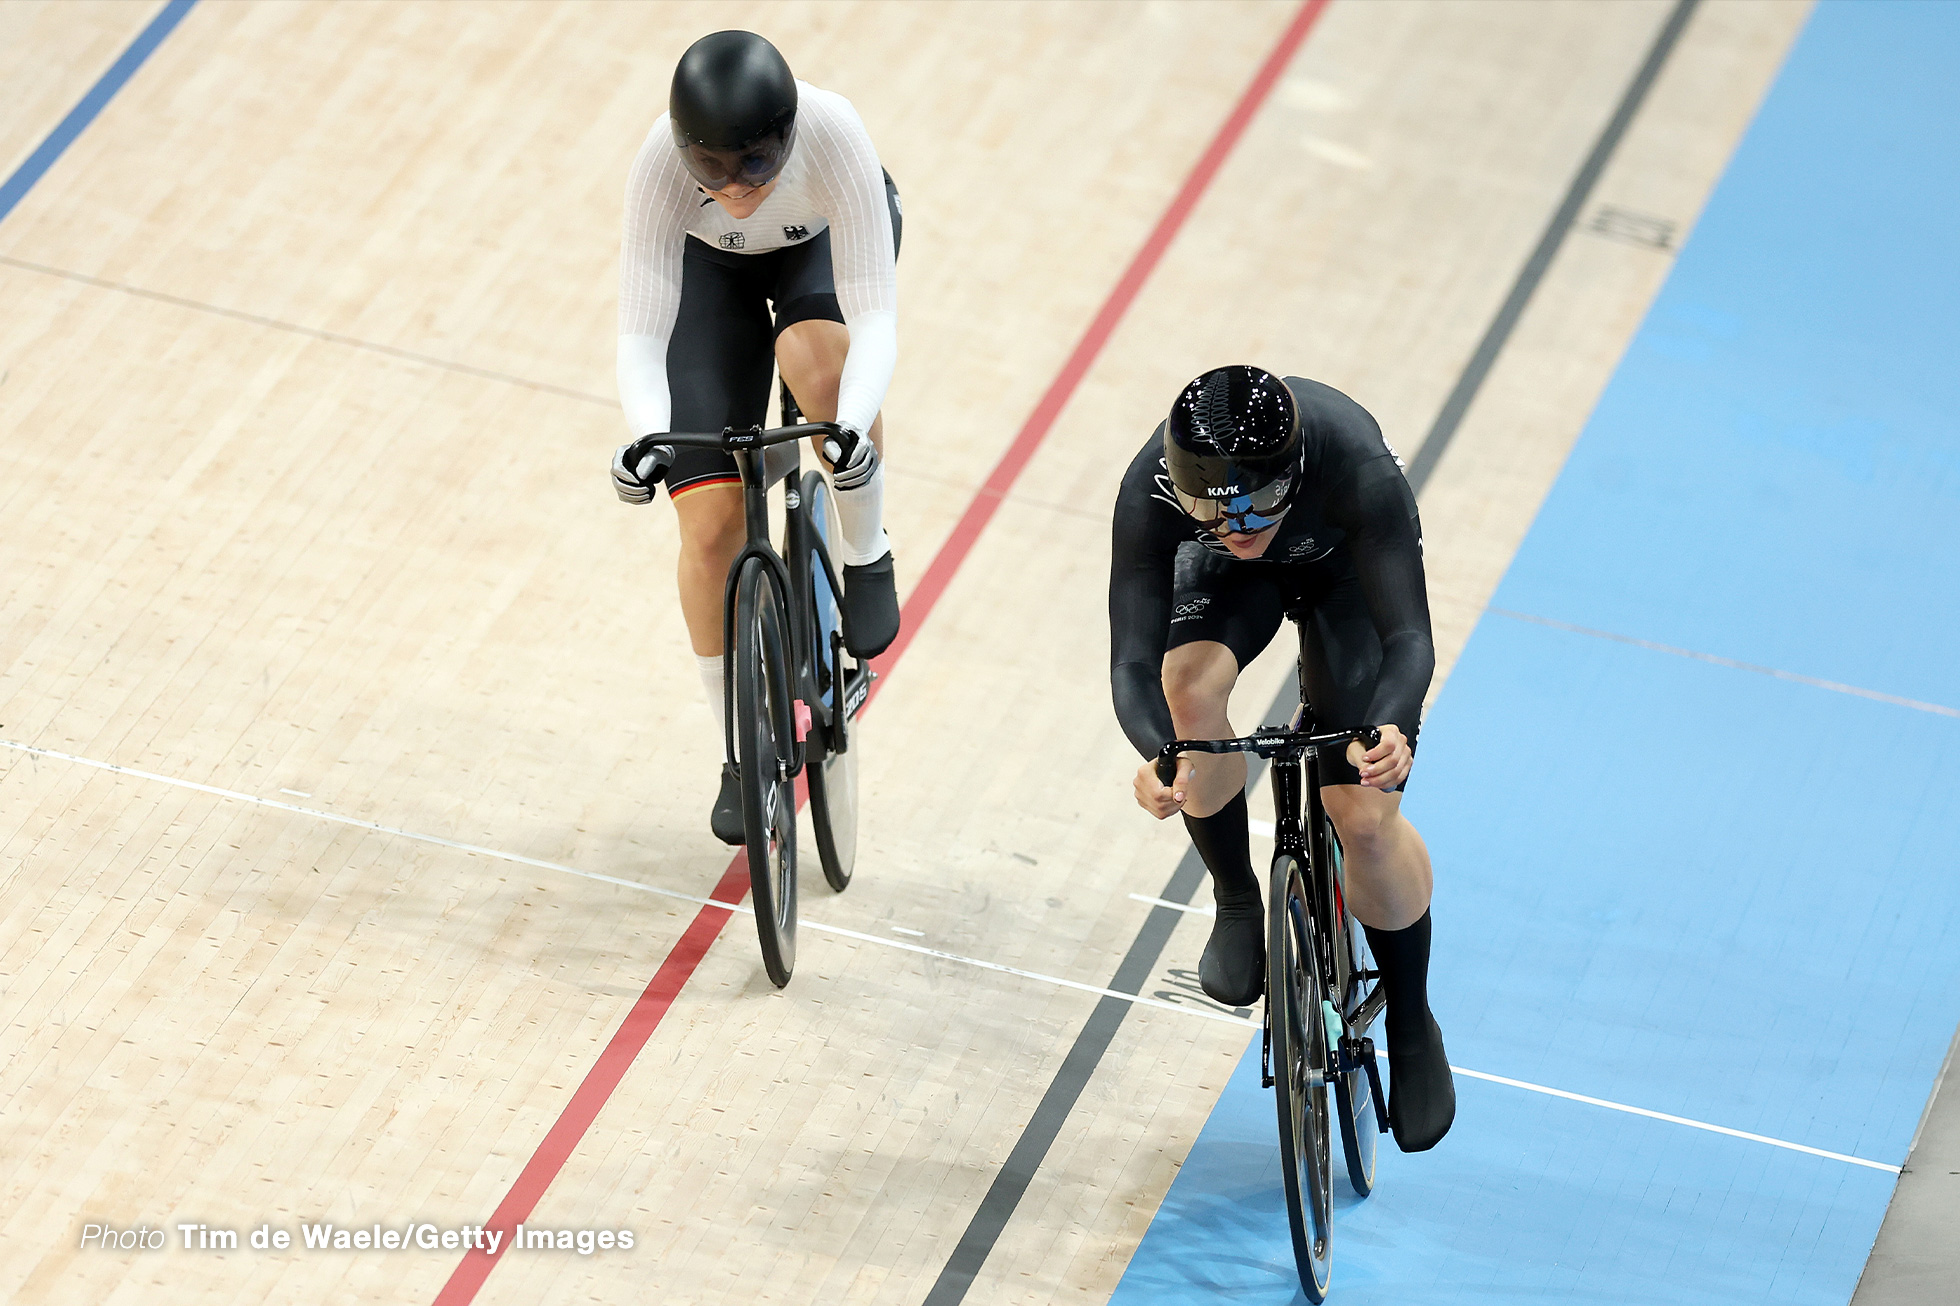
(1540, 261)
(1005, 1194)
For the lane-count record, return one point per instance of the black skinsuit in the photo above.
(1348, 555)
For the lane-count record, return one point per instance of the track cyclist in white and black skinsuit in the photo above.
(760, 231)
(1256, 499)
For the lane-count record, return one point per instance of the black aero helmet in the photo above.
(733, 106)
(1232, 448)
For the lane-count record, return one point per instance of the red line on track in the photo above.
(652, 1006)
(981, 510)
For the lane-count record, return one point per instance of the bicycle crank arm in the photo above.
(857, 690)
(1371, 1006)
(1266, 1050)
(1366, 1059)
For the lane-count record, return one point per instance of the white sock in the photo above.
(861, 516)
(711, 685)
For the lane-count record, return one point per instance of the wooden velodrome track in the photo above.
(305, 406)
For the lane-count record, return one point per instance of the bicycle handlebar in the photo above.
(838, 444)
(750, 437)
(1265, 743)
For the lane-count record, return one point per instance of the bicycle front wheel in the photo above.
(1296, 1006)
(765, 742)
(833, 765)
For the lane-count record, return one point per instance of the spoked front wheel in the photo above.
(832, 750)
(1296, 1007)
(765, 743)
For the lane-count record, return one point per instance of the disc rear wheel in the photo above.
(1295, 1006)
(1354, 1102)
(831, 750)
(765, 742)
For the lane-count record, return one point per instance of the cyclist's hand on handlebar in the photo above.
(852, 458)
(639, 466)
(1156, 797)
(1386, 764)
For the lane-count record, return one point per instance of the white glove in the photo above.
(639, 466)
(853, 459)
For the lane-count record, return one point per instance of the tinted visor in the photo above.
(752, 165)
(1246, 514)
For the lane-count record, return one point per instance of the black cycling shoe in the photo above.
(726, 820)
(871, 599)
(1421, 1093)
(1233, 969)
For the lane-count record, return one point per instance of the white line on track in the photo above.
(1676, 1120)
(1134, 998)
(1174, 906)
(1836, 687)
(521, 860)
(806, 923)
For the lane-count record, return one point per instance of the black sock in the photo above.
(1225, 843)
(1402, 956)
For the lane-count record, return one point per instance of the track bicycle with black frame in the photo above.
(1321, 997)
(793, 690)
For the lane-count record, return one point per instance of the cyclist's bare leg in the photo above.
(1386, 861)
(1388, 888)
(811, 355)
(1198, 680)
(712, 533)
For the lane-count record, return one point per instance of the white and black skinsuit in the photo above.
(702, 295)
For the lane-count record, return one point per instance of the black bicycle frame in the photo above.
(764, 457)
(1291, 753)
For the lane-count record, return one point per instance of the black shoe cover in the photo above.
(1421, 1094)
(871, 599)
(726, 820)
(1233, 969)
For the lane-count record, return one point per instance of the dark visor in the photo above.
(1245, 514)
(752, 165)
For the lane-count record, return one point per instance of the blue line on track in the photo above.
(1689, 886)
(15, 188)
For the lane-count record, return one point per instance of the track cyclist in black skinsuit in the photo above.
(1256, 499)
(761, 233)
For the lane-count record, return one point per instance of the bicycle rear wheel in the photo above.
(1354, 1102)
(1300, 1063)
(765, 742)
(833, 774)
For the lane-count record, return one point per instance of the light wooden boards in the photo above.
(331, 520)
